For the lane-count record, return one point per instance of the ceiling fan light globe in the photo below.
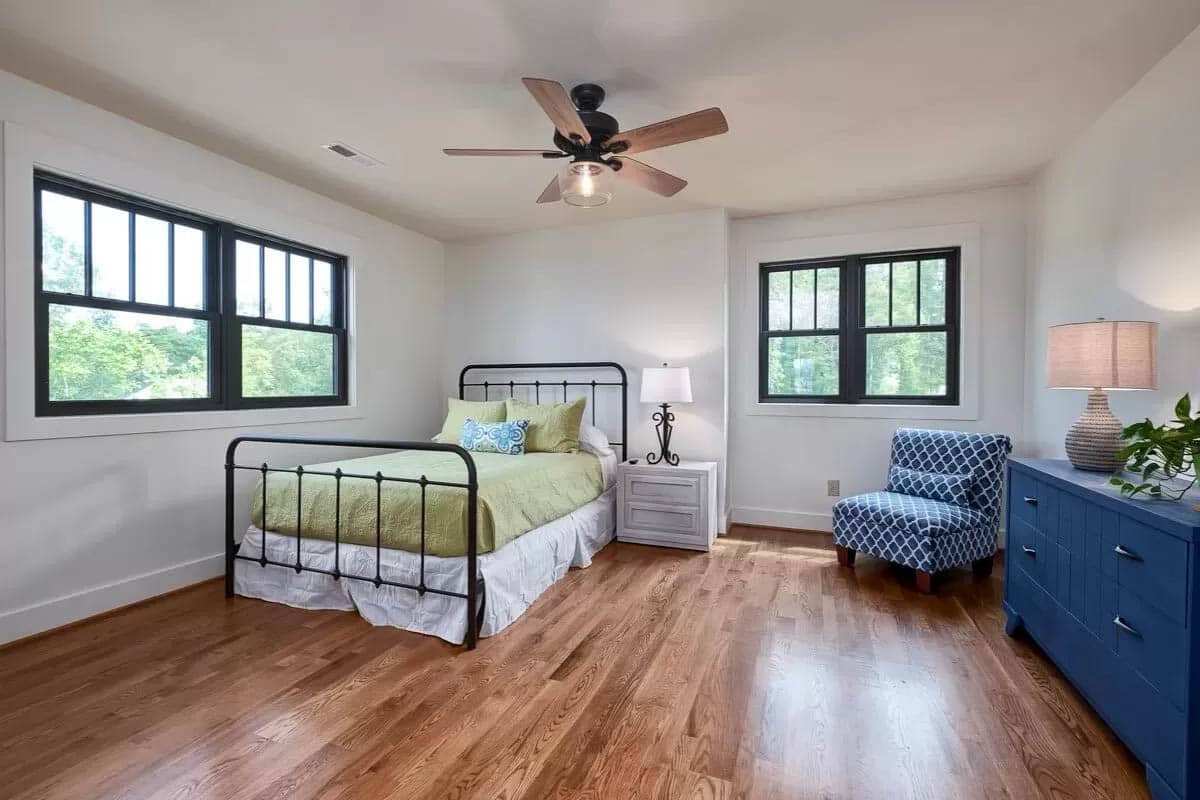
(585, 184)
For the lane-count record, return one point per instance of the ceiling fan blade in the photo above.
(555, 101)
(697, 125)
(550, 194)
(465, 151)
(648, 177)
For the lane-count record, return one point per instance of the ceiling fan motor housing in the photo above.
(587, 98)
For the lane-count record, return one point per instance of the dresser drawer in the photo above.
(1154, 565)
(653, 518)
(1152, 727)
(1023, 500)
(1037, 609)
(1151, 644)
(1023, 549)
(684, 490)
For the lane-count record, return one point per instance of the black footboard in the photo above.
(474, 595)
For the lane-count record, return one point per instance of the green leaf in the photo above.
(1183, 409)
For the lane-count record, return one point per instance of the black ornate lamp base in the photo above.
(663, 428)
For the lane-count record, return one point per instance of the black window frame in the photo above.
(219, 311)
(852, 331)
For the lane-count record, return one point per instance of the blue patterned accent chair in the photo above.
(929, 535)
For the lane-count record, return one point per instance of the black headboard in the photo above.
(551, 388)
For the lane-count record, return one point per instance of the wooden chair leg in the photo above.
(845, 556)
(983, 567)
(924, 582)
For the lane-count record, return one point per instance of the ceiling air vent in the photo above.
(346, 151)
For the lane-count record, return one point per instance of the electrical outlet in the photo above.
(834, 488)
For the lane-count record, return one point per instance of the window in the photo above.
(879, 328)
(144, 308)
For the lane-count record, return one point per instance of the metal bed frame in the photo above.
(475, 594)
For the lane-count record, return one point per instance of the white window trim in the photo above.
(25, 149)
(965, 236)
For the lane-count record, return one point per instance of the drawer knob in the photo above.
(1031, 501)
(1123, 553)
(1125, 626)
(1029, 551)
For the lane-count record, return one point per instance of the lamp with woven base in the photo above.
(1100, 355)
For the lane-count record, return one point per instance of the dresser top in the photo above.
(1172, 513)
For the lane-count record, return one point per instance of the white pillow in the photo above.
(593, 440)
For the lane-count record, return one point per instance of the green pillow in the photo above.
(459, 410)
(552, 428)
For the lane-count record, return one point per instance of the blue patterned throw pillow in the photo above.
(494, 437)
(952, 489)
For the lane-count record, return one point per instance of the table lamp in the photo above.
(1100, 355)
(665, 385)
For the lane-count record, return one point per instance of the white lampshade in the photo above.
(666, 385)
(1105, 354)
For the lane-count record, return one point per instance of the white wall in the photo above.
(1115, 232)
(638, 292)
(779, 463)
(87, 524)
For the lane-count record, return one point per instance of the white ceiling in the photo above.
(828, 102)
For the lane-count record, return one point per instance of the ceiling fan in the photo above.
(597, 146)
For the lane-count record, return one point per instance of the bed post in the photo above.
(230, 545)
(472, 552)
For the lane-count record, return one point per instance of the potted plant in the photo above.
(1161, 459)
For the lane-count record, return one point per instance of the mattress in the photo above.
(515, 575)
(516, 495)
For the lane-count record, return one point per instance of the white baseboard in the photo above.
(22, 622)
(777, 517)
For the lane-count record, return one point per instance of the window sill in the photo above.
(30, 428)
(863, 411)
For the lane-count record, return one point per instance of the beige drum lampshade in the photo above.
(1104, 354)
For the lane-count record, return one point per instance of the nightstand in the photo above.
(667, 506)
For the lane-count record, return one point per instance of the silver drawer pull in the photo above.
(1125, 626)
(1123, 553)
(1031, 500)
(1029, 551)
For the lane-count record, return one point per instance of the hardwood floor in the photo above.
(762, 670)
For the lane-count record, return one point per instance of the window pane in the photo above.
(829, 312)
(933, 292)
(802, 365)
(906, 364)
(322, 293)
(110, 252)
(150, 239)
(802, 299)
(275, 265)
(778, 296)
(277, 362)
(189, 267)
(299, 268)
(62, 243)
(118, 355)
(876, 289)
(246, 254)
(904, 293)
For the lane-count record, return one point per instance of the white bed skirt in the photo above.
(515, 575)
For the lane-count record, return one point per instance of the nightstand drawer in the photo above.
(684, 490)
(653, 517)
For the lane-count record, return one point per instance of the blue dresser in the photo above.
(1107, 586)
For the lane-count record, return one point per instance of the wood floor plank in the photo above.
(760, 670)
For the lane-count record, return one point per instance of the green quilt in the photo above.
(516, 495)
